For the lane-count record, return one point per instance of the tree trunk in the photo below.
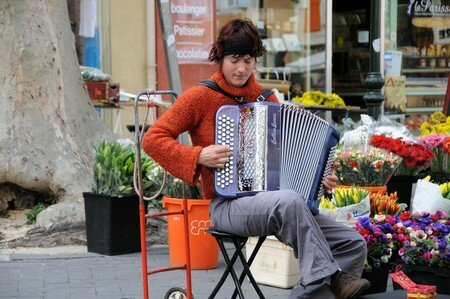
(48, 126)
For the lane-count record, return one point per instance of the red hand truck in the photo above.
(174, 292)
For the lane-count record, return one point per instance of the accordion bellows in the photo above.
(275, 147)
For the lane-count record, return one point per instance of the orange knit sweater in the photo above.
(194, 111)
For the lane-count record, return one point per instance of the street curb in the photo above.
(153, 250)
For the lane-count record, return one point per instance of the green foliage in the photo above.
(114, 167)
(32, 214)
(176, 187)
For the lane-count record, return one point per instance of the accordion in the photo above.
(275, 147)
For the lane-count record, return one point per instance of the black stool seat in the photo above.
(239, 243)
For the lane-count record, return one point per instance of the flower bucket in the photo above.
(403, 185)
(378, 278)
(203, 247)
(112, 223)
(371, 189)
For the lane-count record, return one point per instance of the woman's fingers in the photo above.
(214, 156)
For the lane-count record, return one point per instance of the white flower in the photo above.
(380, 217)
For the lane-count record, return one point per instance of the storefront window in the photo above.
(294, 34)
(417, 43)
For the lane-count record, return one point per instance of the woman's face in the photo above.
(237, 69)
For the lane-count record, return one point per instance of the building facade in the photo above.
(311, 45)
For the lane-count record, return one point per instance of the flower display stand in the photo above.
(429, 276)
(378, 278)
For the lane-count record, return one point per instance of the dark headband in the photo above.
(239, 47)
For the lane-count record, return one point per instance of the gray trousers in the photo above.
(321, 245)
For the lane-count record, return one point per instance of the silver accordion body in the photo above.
(275, 147)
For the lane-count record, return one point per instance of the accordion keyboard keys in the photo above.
(225, 135)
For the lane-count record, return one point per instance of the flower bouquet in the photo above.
(346, 204)
(438, 123)
(428, 240)
(431, 197)
(361, 164)
(343, 197)
(385, 204)
(439, 144)
(381, 238)
(318, 97)
(415, 156)
(425, 249)
(370, 167)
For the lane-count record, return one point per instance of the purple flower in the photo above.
(437, 226)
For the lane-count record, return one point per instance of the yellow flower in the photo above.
(318, 97)
(438, 123)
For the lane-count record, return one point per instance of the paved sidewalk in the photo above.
(83, 275)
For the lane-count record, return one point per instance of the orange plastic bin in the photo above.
(203, 247)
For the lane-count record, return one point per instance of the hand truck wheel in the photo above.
(176, 293)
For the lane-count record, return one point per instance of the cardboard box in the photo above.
(275, 263)
(103, 92)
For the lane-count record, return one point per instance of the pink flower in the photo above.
(402, 238)
(426, 255)
(432, 141)
(377, 232)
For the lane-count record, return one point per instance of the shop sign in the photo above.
(428, 8)
(395, 92)
(193, 29)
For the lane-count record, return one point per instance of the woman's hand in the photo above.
(331, 180)
(214, 156)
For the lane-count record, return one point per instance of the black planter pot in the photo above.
(112, 224)
(426, 275)
(403, 185)
(378, 278)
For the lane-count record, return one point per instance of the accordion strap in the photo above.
(214, 86)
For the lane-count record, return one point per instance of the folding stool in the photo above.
(239, 243)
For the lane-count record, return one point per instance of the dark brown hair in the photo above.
(236, 30)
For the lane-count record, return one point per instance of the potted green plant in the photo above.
(112, 206)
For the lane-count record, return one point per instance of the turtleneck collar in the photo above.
(245, 91)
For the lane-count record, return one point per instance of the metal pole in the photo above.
(374, 82)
